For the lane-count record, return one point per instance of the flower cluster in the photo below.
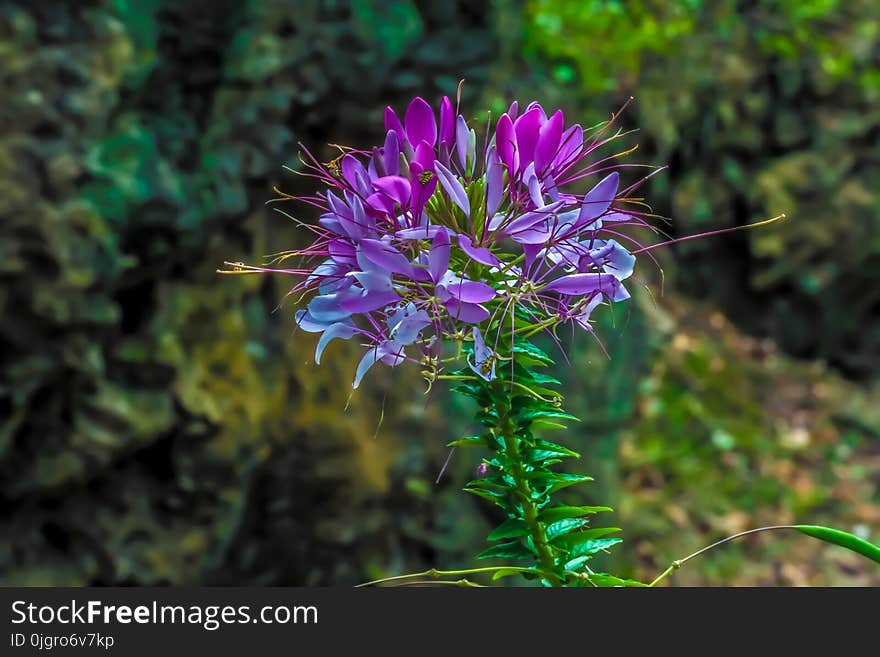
(427, 239)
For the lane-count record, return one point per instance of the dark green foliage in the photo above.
(158, 424)
(757, 108)
(161, 425)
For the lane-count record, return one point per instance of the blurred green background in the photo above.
(160, 424)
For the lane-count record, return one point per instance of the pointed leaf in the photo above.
(532, 352)
(469, 441)
(510, 528)
(604, 579)
(577, 562)
(594, 545)
(507, 572)
(565, 526)
(571, 542)
(553, 447)
(559, 512)
(559, 480)
(511, 550)
(493, 496)
(843, 539)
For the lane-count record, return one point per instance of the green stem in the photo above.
(523, 491)
(675, 565)
(433, 572)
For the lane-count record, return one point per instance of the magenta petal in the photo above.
(494, 181)
(576, 284)
(537, 105)
(538, 235)
(462, 136)
(513, 110)
(380, 204)
(571, 144)
(531, 252)
(342, 250)
(613, 217)
(339, 208)
(534, 185)
(438, 259)
(529, 219)
(426, 232)
(420, 123)
(548, 142)
(505, 143)
(424, 155)
(368, 301)
(374, 281)
(358, 225)
(367, 224)
(453, 187)
(527, 127)
(447, 122)
(471, 313)
(331, 222)
(392, 122)
(420, 192)
(395, 188)
(478, 253)
(598, 199)
(391, 154)
(355, 175)
(470, 291)
(385, 256)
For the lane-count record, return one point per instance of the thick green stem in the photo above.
(523, 491)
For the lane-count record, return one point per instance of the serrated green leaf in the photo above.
(539, 378)
(529, 350)
(546, 461)
(565, 526)
(510, 528)
(604, 579)
(596, 545)
(469, 441)
(577, 562)
(507, 572)
(555, 481)
(468, 389)
(533, 415)
(560, 512)
(491, 482)
(544, 424)
(544, 391)
(843, 539)
(571, 541)
(559, 449)
(511, 550)
(492, 496)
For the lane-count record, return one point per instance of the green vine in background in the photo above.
(620, 35)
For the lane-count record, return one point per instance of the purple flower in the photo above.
(423, 240)
(404, 326)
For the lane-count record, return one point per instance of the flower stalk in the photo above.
(524, 493)
(520, 475)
